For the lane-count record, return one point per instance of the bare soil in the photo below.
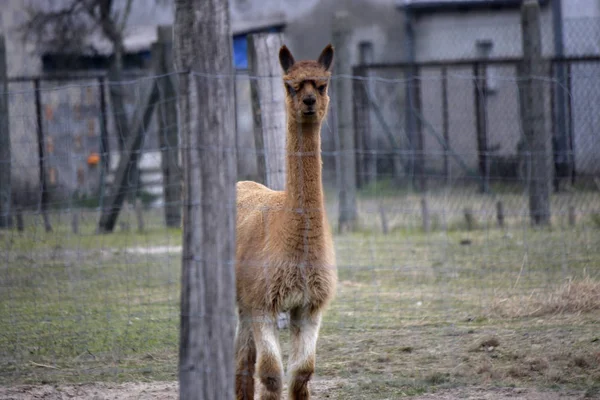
(322, 389)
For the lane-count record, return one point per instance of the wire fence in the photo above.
(436, 253)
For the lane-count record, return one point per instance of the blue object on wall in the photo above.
(240, 47)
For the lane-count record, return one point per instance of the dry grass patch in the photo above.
(575, 296)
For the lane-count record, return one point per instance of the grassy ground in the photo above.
(415, 312)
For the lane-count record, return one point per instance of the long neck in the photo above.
(304, 188)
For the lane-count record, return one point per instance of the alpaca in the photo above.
(284, 258)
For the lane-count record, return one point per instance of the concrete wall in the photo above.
(308, 31)
(453, 36)
(582, 37)
(21, 60)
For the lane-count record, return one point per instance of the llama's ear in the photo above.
(326, 57)
(286, 59)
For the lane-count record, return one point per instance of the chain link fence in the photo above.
(444, 281)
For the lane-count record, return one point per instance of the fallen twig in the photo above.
(43, 365)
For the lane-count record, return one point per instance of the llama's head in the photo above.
(306, 85)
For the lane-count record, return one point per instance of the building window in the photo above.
(60, 62)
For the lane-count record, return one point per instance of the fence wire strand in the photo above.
(432, 249)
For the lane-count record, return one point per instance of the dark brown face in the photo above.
(306, 84)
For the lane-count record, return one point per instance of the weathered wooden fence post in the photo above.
(532, 96)
(425, 215)
(348, 216)
(75, 220)
(417, 139)
(19, 218)
(365, 140)
(572, 216)
(268, 110)
(128, 161)
(139, 215)
(5, 154)
(500, 213)
(41, 156)
(480, 83)
(268, 107)
(168, 133)
(469, 218)
(446, 125)
(384, 219)
(207, 126)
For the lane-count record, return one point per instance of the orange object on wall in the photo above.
(93, 159)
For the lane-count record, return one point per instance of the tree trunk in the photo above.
(206, 115)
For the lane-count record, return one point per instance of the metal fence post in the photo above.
(5, 153)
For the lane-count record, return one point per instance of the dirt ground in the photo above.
(322, 389)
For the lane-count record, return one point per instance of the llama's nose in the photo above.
(309, 100)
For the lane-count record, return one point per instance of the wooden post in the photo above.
(418, 144)
(5, 154)
(347, 218)
(41, 155)
(19, 217)
(268, 110)
(384, 222)
(479, 73)
(445, 124)
(365, 141)
(75, 221)
(425, 214)
(104, 143)
(469, 218)
(139, 213)
(168, 134)
(128, 161)
(532, 94)
(572, 216)
(360, 116)
(268, 107)
(500, 213)
(206, 117)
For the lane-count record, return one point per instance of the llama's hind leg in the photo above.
(269, 365)
(245, 358)
(304, 329)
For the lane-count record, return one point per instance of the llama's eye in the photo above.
(290, 89)
(322, 89)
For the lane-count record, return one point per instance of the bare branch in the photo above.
(125, 16)
(64, 28)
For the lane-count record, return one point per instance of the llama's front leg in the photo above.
(269, 365)
(245, 358)
(304, 329)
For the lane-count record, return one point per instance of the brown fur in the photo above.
(285, 257)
